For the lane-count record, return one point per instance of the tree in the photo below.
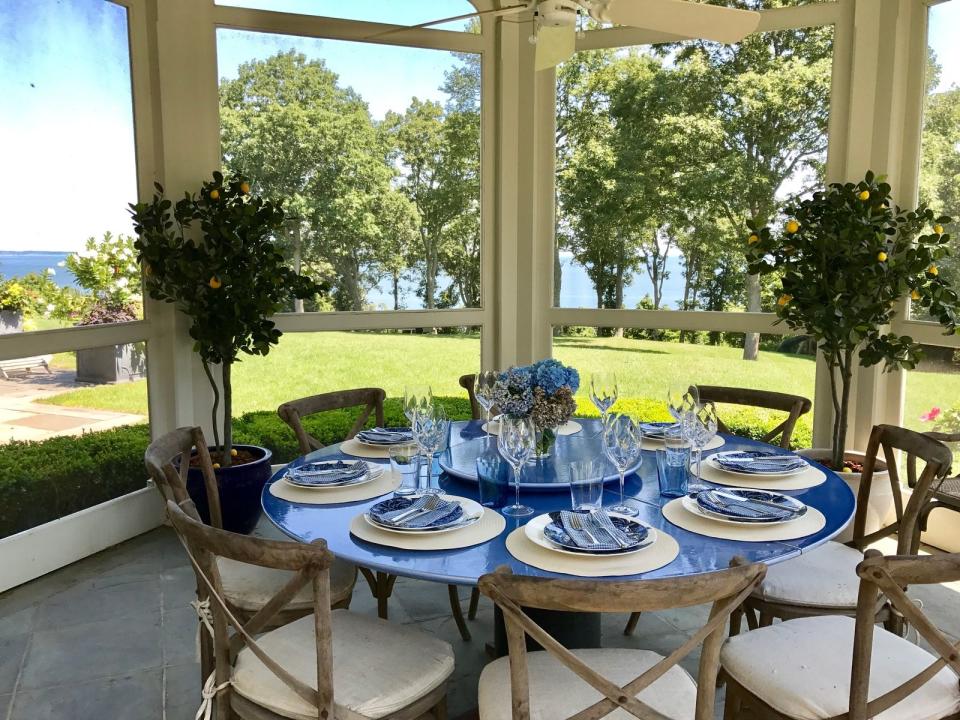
(771, 97)
(286, 122)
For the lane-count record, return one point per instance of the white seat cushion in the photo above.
(802, 669)
(555, 692)
(824, 577)
(250, 587)
(378, 667)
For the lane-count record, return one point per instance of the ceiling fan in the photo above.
(556, 21)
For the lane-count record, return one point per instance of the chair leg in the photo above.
(766, 619)
(458, 612)
(632, 624)
(731, 704)
(440, 709)
(736, 619)
(751, 616)
(474, 604)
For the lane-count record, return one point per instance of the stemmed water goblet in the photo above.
(681, 398)
(483, 388)
(603, 391)
(516, 442)
(430, 430)
(699, 427)
(415, 399)
(622, 442)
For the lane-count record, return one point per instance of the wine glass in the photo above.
(699, 427)
(681, 398)
(416, 398)
(622, 441)
(430, 431)
(483, 387)
(516, 442)
(603, 391)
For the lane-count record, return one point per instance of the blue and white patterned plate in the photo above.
(385, 436)
(636, 534)
(450, 513)
(755, 462)
(330, 473)
(654, 430)
(743, 505)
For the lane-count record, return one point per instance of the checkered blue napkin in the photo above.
(720, 503)
(446, 511)
(327, 472)
(603, 537)
(778, 462)
(386, 436)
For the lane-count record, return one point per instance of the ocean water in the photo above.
(576, 290)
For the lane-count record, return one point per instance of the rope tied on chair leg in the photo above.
(210, 689)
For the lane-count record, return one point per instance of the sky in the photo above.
(66, 132)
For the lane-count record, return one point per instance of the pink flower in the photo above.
(931, 414)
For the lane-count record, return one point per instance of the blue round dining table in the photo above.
(698, 553)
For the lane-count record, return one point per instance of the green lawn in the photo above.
(310, 363)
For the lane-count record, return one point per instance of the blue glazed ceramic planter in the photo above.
(240, 489)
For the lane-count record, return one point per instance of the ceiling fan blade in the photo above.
(677, 17)
(554, 45)
(498, 11)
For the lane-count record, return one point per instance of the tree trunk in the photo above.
(618, 297)
(396, 290)
(226, 458)
(557, 281)
(751, 341)
(297, 262)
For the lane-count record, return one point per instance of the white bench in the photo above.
(25, 365)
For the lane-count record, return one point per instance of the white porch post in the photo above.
(186, 126)
(525, 121)
(876, 127)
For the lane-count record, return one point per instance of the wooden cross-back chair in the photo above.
(294, 411)
(639, 682)
(246, 588)
(946, 494)
(793, 405)
(824, 581)
(388, 671)
(381, 583)
(796, 669)
(468, 383)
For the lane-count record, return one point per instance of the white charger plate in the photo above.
(534, 532)
(470, 507)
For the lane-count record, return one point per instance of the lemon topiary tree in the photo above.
(229, 278)
(845, 257)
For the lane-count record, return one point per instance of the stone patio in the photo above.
(23, 418)
(113, 636)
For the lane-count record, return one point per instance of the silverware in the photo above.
(432, 503)
(603, 520)
(577, 523)
(720, 496)
(768, 458)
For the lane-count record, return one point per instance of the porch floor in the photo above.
(113, 636)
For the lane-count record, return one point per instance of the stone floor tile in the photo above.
(181, 691)
(12, 650)
(179, 636)
(16, 623)
(136, 696)
(96, 650)
(107, 597)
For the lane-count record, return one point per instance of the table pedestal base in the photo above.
(573, 630)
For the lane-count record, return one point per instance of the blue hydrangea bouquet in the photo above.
(544, 391)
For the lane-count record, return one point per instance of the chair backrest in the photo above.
(294, 411)
(468, 383)
(168, 460)
(940, 437)
(793, 405)
(310, 565)
(889, 575)
(889, 438)
(725, 589)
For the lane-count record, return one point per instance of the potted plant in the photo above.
(229, 279)
(845, 257)
(107, 268)
(13, 301)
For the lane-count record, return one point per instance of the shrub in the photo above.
(45, 480)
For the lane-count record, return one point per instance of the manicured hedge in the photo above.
(45, 480)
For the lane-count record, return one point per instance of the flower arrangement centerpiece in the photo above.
(543, 391)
